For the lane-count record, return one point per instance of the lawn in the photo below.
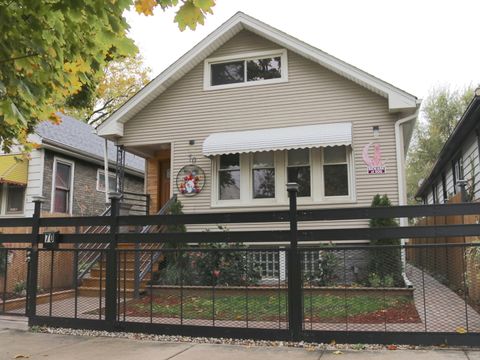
(317, 308)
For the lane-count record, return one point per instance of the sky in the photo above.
(416, 45)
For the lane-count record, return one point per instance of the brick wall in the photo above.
(86, 199)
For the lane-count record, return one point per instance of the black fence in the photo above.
(295, 284)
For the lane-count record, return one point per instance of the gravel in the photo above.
(226, 341)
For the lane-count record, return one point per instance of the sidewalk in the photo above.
(15, 341)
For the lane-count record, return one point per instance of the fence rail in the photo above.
(280, 284)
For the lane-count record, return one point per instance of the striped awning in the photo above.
(295, 137)
(13, 171)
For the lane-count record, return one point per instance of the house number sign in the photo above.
(190, 180)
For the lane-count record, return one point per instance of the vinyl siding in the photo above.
(471, 169)
(312, 95)
(35, 179)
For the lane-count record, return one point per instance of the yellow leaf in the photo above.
(189, 15)
(461, 330)
(145, 7)
(205, 5)
(338, 352)
(21, 356)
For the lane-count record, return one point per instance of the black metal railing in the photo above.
(295, 284)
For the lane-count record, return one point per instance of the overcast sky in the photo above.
(414, 44)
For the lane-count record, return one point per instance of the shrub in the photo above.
(324, 270)
(385, 262)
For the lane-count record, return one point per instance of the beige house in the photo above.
(253, 108)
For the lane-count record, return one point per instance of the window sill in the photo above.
(301, 202)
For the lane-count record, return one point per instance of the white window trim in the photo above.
(245, 56)
(4, 199)
(72, 178)
(100, 173)
(317, 196)
(349, 162)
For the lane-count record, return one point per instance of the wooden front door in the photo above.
(163, 182)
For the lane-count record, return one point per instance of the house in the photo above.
(67, 169)
(458, 160)
(251, 108)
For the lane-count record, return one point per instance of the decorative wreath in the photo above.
(190, 180)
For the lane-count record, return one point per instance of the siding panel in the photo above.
(312, 95)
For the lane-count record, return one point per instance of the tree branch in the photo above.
(18, 58)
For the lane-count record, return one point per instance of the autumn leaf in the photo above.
(392, 347)
(337, 352)
(145, 7)
(205, 5)
(460, 330)
(189, 15)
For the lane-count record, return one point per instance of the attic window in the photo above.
(251, 69)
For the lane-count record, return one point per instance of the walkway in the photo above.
(17, 343)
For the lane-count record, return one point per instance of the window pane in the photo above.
(61, 201)
(228, 73)
(229, 181)
(15, 198)
(263, 160)
(300, 175)
(298, 157)
(263, 183)
(230, 162)
(335, 154)
(62, 176)
(264, 69)
(112, 183)
(336, 180)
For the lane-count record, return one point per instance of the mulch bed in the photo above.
(405, 314)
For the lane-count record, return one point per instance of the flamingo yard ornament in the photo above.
(375, 165)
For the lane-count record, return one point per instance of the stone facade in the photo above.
(86, 199)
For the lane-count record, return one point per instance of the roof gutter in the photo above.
(67, 150)
(400, 153)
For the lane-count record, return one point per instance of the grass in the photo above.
(261, 307)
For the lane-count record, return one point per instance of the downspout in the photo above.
(402, 187)
(105, 166)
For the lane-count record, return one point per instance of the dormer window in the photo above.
(251, 69)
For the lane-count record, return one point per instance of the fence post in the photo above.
(32, 278)
(111, 266)
(295, 298)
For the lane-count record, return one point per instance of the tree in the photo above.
(50, 49)
(385, 263)
(120, 80)
(441, 111)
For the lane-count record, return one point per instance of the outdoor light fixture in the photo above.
(376, 131)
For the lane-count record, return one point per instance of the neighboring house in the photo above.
(458, 160)
(251, 108)
(67, 169)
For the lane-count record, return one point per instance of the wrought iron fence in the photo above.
(294, 284)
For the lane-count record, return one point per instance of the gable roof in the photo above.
(398, 100)
(468, 124)
(80, 138)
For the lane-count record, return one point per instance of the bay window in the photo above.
(335, 171)
(254, 179)
(263, 175)
(298, 170)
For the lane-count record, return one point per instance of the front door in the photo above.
(163, 182)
